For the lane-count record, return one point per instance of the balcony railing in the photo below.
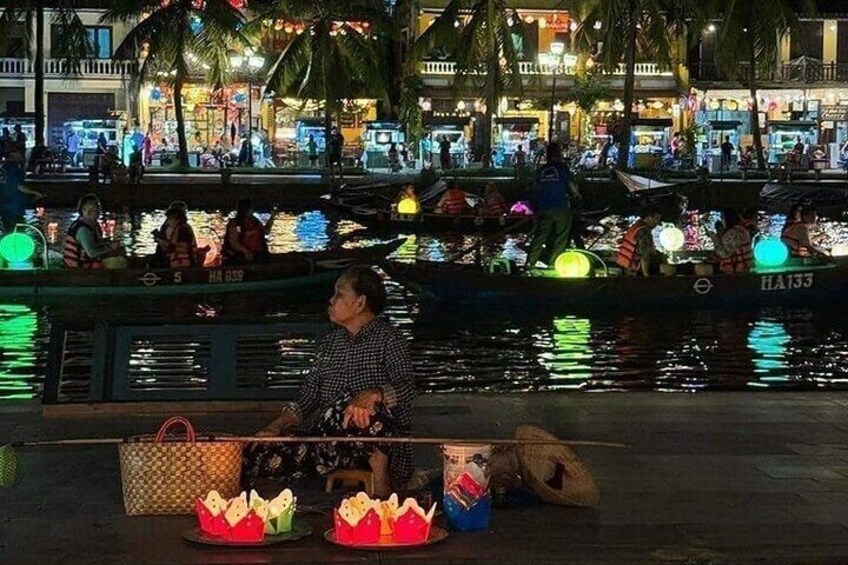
(89, 68)
(806, 72)
(446, 68)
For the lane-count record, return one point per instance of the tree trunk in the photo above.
(755, 112)
(629, 94)
(40, 114)
(491, 108)
(182, 142)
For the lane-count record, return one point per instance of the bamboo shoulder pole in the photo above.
(322, 439)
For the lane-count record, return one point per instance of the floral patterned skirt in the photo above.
(284, 462)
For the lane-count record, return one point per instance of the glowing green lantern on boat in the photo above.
(672, 238)
(572, 265)
(17, 249)
(770, 252)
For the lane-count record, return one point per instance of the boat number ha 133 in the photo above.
(788, 281)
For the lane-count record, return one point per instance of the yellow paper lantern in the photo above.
(408, 205)
(572, 265)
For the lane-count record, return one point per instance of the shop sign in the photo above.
(834, 113)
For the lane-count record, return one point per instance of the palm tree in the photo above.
(182, 37)
(72, 44)
(625, 27)
(752, 31)
(484, 48)
(331, 59)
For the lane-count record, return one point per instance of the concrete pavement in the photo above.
(708, 478)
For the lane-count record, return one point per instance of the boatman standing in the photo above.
(555, 189)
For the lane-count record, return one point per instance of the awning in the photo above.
(724, 124)
(446, 121)
(517, 120)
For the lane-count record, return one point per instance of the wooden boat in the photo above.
(380, 217)
(288, 270)
(472, 284)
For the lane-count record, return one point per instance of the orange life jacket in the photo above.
(792, 236)
(251, 236)
(455, 203)
(182, 254)
(742, 258)
(74, 255)
(628, 256)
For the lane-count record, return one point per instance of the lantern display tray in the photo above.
(437, 534)
(299, 530)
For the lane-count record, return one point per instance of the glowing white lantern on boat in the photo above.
(840, 250)
(672, 238)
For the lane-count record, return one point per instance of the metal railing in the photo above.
(105, 68)
(447, 68)
(180, 362)
(809, 71)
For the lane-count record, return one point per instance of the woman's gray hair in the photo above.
(365, 282)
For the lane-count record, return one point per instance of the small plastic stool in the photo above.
(351, 478)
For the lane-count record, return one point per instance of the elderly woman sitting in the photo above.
(360, 385)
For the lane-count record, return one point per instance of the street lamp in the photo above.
(555, 60)
(248, 64)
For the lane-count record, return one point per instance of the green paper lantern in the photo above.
(572, 265)
(770, 253)
(17, 247)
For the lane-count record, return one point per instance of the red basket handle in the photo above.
(173, 421)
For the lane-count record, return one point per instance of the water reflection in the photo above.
(571, 358)
(18, 355)
(768, 340)
(491, 349)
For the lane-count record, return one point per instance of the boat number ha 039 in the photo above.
(789, 281)
(226, 276)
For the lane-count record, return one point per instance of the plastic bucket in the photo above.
(467, 501)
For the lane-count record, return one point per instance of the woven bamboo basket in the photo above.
(161, 476)
(539, 465)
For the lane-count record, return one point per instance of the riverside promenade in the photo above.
(721, 477)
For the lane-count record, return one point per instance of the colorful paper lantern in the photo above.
(572, 265)
(672, 238)
(770, 252)
(407, 205)
(17, 247)
(521, 208)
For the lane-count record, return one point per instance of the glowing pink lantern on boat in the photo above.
(213, 255)
(521, 208)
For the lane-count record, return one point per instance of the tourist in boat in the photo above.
(177, 246)
(796, 235)
(494, 204)
(245, 239)
(453, 202)
(555, 190)
(637, 254)
(361, 384)
(85, 247)
(733, 248)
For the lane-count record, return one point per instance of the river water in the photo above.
(483, 349)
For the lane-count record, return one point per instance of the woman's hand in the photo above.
(361, 408)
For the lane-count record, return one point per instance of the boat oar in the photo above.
(462, 253)
(9, 455)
